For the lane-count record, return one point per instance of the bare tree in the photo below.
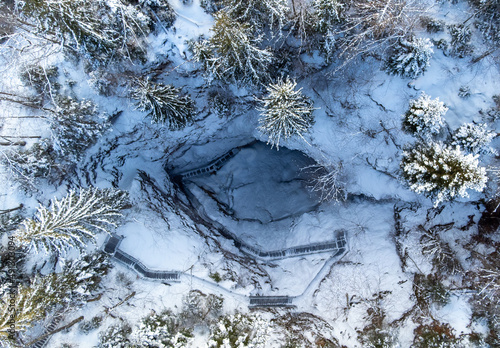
(374, 24)
(328, 181)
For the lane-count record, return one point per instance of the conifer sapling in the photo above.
(285, 112)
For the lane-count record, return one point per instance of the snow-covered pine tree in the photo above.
(488, 18)
(257, 13)
(161, 330)
(328, 13)
(285, 112)
(164, 103)
(29, 166)
(116, 336)
(474, 138)
(424, 117)
(91, 26)
(460, 43)
(24, 306)
(239, 331)
(442, 172)
(76, 125)
(410, 57)
(72, 221)
(232, 53)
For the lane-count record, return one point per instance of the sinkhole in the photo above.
(261, 195)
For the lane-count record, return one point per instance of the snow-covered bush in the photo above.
(38, 162)
(232, 53)
(159, 331)
(432, 25)
(239, 331)
(161, 9)
(460, 40)
(424, 117)
(76, 125)
(42, 79)
(474, 138)
(435, 335)
(410, 57)
(258, 13)
(442, 172)
(116, 336)
(285, 112)
(200, 308)
(328, 181)
(464, 92)
(90, 325)
(328, 13)
(488, 18)
(73, 221)
(164, 103)
(430, 290)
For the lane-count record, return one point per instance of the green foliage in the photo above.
(116, 336)
(410, 58)
(232, 53)
(164, 103)
(285, 112)
(442, 172)
(76, 125)
(44, 80)
(460, 40)
(239, 331)
(40, 161)
(429, 289)
(435, 335)
(73, 221)
(90, 26)
(161, 330)
(328, 13)
(90, 325)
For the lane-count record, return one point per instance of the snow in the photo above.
(357, 123)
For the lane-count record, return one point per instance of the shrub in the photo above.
(474, 138)
(424, 117)
(410, 58)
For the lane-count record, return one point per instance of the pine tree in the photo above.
(285, 112)
(161, 330)
(239, 331)
(91, 26)
(424, 118)
(474, 138)
(258, 13)
(72, 221)
(76, 125)
(164, 103)
(442, 172)
(410, 58)
(232, 53)
(328, 13)
(21, 308)
(116, 336)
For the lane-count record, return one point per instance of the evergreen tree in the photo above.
(474, 138)
(232, 53)
(116, 336)
(239, 331)
(442, 172)
(76, 125)
(161, 330)
(21, 308)
(258, 13)
(410, 58)
(164, 103)
(424, 118)
(91, 26)
(328, 13)
(72, 221)
(285, 112)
